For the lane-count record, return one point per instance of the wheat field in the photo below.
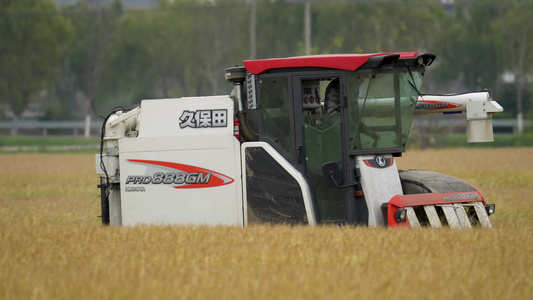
(53, 246)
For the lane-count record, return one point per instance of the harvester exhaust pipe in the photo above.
(237, 75)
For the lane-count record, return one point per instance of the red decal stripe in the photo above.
(217, 179)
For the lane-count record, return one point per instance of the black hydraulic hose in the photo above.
(105, 186)
(102, 135)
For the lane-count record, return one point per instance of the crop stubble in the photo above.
(53, 246)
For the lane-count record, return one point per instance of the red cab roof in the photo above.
(349, 62)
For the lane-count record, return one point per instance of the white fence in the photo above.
(91, 128)
(457, 124)
(86, 128)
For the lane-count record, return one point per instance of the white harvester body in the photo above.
(301, 159)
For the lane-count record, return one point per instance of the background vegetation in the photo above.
(53, 246)
(85, 58)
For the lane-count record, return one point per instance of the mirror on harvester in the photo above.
(332, 174)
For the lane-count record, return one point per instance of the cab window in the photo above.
(275, 109)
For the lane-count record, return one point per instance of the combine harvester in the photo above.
(300, 140)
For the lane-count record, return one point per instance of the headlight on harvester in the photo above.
(400, 215)
(490, 208)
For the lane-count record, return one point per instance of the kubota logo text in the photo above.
(204, 118)
(178, 176)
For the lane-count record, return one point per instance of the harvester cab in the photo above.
(314, 140)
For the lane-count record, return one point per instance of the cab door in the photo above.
(318, 119)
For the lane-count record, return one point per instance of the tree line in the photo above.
(85, 59)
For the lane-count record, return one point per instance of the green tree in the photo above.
(515, 28)
(146, 54)
(33, 38)
(84, 64)
(469, 56)
(392, 26)
(179, 48)
(222, 40)
(280, 28)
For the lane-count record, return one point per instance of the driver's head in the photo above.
(332, 99)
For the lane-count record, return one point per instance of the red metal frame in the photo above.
(403, 201)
